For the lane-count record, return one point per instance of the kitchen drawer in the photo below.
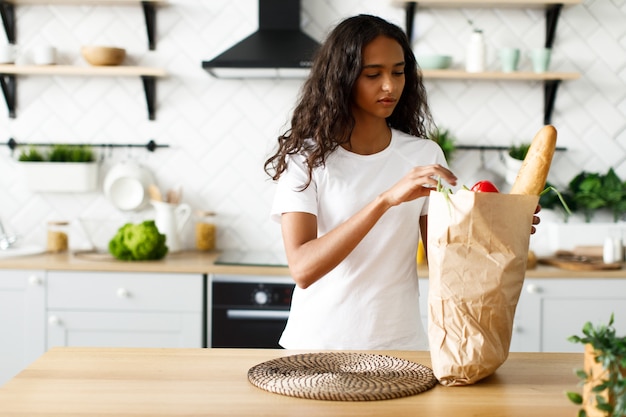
(124, 291)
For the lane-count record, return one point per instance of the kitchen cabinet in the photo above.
(551, 310)
(9, 73)
(124, 309)
(22, 320)
(551, 80)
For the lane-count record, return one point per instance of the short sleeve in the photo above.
(289, 196)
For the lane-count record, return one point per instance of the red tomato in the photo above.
(484, 187)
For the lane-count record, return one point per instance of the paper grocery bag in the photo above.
(477, 252)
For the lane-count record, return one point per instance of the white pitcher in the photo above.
(170, 220)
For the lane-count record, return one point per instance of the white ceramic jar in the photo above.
(475, 54)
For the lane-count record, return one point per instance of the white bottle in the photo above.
(475, 54)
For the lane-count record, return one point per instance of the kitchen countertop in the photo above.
(204, 263)
(213, 382)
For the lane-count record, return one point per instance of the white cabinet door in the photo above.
(554, 309)
(22, 320)
(124, 329)
(119, 309)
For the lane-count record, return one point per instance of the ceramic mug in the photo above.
(509, 59)
(7, 53)
(44, 55)
(540, 58)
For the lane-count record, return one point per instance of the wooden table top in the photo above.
(125, 382)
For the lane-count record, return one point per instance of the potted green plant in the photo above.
(603, 376)
(63, 168)
(446, 141)
(513, 161)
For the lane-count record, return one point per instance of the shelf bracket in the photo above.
(9, 90)
(149, 12)
(7, 10)
(410, 9)
(149, 86)
(550, 88)
(552, 17)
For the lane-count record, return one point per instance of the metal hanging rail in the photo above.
(492, 148)
(150, 146)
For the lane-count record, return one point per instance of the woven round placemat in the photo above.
(342, 376)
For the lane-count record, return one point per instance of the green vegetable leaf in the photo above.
(574, 397)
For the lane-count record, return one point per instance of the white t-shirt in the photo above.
(371, 299)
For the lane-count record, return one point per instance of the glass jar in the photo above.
(205, 230)
(57, 236)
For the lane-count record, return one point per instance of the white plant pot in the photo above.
(512, 168)
(61, 177)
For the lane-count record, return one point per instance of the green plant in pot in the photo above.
(60, 168)
(513, 161)
(603, 376)
(519, 151)
(446, 141)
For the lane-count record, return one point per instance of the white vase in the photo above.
(61, 177)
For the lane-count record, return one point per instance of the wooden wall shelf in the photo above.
(551, 80)
(9, 73)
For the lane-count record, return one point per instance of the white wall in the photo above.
(221, 131)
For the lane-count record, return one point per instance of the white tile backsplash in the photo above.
(221, 131)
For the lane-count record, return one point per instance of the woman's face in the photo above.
(379, 86)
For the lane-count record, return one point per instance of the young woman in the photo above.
(354, 172)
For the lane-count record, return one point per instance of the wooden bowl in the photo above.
(103, 55)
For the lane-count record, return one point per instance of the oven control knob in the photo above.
(261, 297)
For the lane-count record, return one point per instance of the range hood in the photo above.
(278, 49)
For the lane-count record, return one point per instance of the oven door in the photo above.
(249, 312)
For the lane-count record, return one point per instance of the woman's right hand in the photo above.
(418, 182)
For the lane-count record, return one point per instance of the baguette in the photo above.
(532, 176)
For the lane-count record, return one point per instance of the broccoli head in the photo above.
(138, 242)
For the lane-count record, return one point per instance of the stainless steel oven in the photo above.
(248, 311)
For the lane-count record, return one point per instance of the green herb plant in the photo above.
(610, 351)
(71, 153)
(592, 191)
(59, 153)
(445, 140)
(519, 151)
(31, 155)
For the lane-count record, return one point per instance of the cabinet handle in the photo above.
(533, 289)
(123, 293)
(34, 280)
(54, 321)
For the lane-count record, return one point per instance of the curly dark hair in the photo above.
(322, 119)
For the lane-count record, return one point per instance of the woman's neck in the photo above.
(369, 138)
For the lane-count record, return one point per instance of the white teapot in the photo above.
(170, 220)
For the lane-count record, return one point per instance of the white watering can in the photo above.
(170, 220)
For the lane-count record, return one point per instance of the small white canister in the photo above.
(475, 56)
(613, 250)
